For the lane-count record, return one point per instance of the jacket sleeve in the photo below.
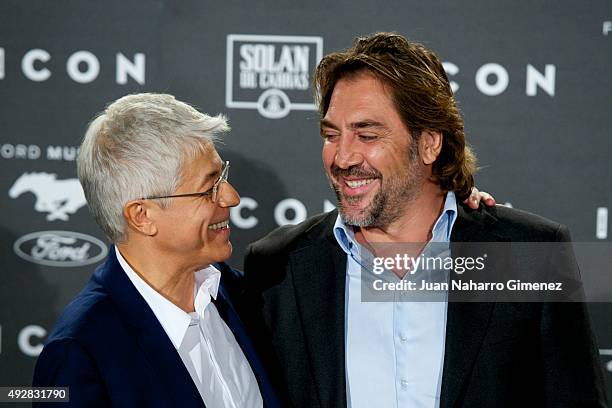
(572, 369)
(65, 363)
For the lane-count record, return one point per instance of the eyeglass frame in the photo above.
(212, 192)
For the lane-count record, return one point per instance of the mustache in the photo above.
(354, 171)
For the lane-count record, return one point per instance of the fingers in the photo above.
(473, 201)
(487, 199)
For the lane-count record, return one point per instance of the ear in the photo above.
(138, 217)
(430, 145)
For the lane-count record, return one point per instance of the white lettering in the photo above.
(497, 87)
(236, 214)
(1, 63)
(261, 58)
(125, 67)
(285, 62)
(90, 73)
(54, 153)
(301, 58)
(248, 80)
(476, 286)
(377, 266)
(513, 284)
(27, 65)
(19, 151)
(66, 153)
(283, 80)
(24, 340)
(247, 57)
(280, 212)
(328, 206)
(451, 70)
(49, 246)
(7, 151)
(535, 79)
(607, 27)
(601, 229)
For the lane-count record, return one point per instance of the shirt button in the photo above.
(404, 383)
(403, 338)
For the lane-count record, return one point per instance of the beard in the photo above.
(396, 192)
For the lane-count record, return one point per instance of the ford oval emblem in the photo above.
(60, 248)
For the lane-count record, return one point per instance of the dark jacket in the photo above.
(496, 354)
(110, 350)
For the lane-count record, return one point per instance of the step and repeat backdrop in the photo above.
(533, 80)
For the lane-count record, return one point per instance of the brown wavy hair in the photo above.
(420, 91)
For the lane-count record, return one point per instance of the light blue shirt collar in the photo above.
(441, 232)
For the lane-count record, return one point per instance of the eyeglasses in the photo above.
(213, 192)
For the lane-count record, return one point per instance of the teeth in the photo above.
(358, 183)
(219, 225)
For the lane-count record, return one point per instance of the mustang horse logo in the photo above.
(56, 197)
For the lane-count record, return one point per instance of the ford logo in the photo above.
(60, 248)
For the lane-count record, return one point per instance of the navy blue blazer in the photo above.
(111, 350)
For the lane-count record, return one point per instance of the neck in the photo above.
(416, 223)
(173, 281)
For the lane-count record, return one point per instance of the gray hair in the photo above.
(137, 148)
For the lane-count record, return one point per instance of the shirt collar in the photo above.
(345, 236)
(173, 319)
(206, 287)
(443, 227)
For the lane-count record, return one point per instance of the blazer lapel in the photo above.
(319, 272)
(230, 316)
(466, 326)
(467, 322)
(159, 351)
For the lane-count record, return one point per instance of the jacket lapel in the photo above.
(467, 322)
(230, 316)
(319, 272)
(159, 351)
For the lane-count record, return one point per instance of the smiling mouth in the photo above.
(358, 183)
(219, 225)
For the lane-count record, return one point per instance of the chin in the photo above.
(355, 218)
(209, 257)
(359, 209)
(224, 255)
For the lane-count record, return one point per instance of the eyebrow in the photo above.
(212, 175)
(363, 124)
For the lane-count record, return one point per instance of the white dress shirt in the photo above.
(205, 344)
(394, 348)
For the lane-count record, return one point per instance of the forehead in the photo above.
(361, 97)
(204, 163)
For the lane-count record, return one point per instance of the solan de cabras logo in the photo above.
(271, 73)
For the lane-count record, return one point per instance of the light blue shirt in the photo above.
(394, 349)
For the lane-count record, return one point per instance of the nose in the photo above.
(228, 196)
(347, 153)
